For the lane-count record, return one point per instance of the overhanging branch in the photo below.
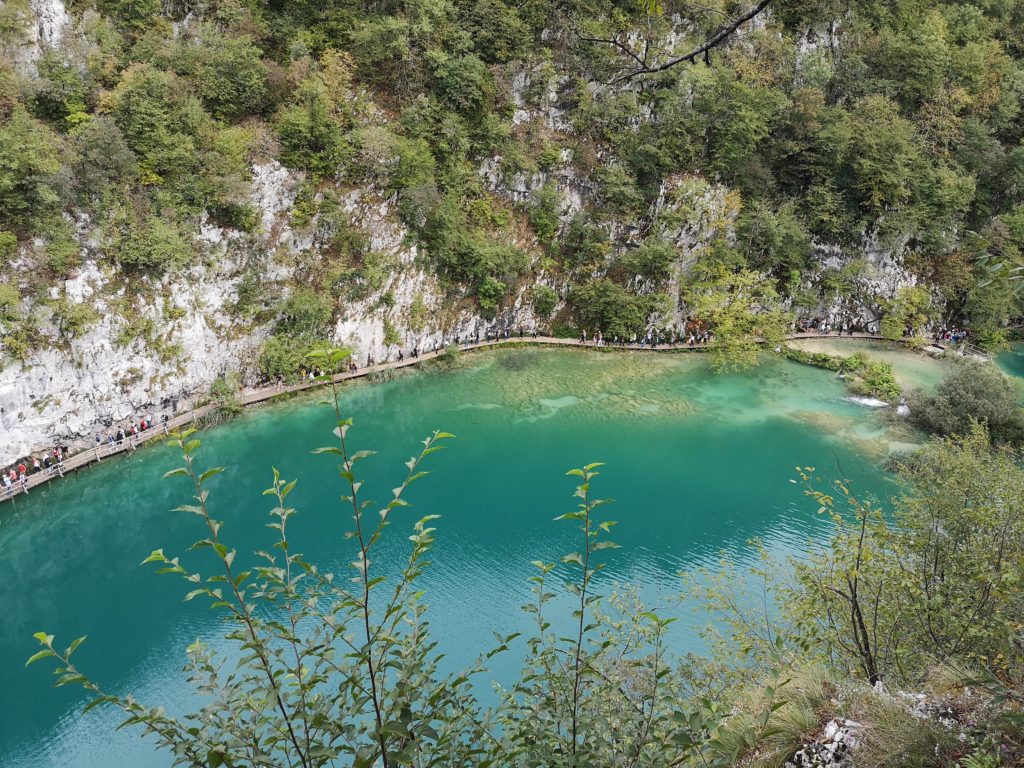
(645, 67)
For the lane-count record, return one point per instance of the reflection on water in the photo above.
(697, 464)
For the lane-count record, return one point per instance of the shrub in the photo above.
(306, 312)
(230, 76)
(972, 392)
(311, 138)
(73, 319)
(241, 216)
(544, 213)
(8, 244)
(391, 335)
(491, 292)
(225, 394)
(417, 314)
(285, 357)
(153, 244)
(544, 300)
(606, 306)
(10, 301)
(876, 379)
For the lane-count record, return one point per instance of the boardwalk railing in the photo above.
(131, 442)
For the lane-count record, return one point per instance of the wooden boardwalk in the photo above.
(263, 394)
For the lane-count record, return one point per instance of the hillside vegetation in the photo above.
(525, 155)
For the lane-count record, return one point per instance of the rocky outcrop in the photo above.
(837, 738)
(44, 24)
(77, 387)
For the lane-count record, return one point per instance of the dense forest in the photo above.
(539, 152)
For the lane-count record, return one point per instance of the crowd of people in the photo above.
(51, 461)
(838, 327)
(15, 478)
(130, 431)
(952, 335)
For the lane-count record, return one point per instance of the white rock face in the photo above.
(51, 21)
(45, 25)
(71, 391)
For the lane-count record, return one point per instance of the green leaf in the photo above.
(43, 654)
(96, 702)
(210, 473)
(157, 556)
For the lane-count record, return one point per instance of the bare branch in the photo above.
(703, 50)
(641, 61)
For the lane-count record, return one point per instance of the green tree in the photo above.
(99, 158)
(230, 76)
(490, 292)
(935, 578)
(310, 134)
(742, 311)
(651, 260)
(544, 213)
(544, 300)
(161, 121)
(602, 305)
(972, 392)
(775, 241)
(28, 161)
(906, 313)
(883, 156)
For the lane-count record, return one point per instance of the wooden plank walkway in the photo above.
(263, 394)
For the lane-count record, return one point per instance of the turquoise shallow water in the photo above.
(1012, 360)
(697, 464)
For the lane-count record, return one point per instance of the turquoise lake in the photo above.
(698, 464)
